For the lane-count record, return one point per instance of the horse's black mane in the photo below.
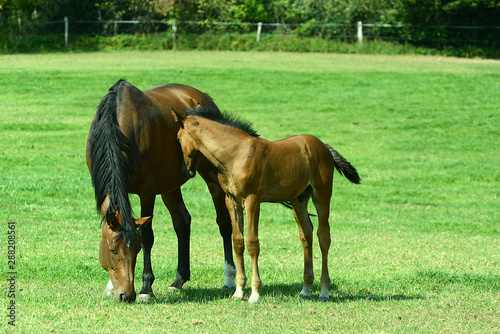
(112, 158)
(224, 118)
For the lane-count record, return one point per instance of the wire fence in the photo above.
(360, 32)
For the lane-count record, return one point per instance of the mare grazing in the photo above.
(253, 170)
(132, 148)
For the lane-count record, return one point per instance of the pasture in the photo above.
(415, 247)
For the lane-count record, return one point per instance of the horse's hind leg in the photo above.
(181, 220)
(321, 200)
(306, 237)
(147, 237)
(208, 173)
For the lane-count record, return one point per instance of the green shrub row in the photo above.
(229, 42)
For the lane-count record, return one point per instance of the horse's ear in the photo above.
(178, 118)
(143, 221)
(112, 220)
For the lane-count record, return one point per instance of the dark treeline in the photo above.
(436, 23)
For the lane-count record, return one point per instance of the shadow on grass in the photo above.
(276, 292)
(348, 291)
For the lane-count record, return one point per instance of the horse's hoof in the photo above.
(173, 289)
(253, 302)
(323, 299)
(305, 293)
(227, 287)
(238, 294)
(145, 298)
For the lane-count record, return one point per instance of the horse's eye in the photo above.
(113, 251)
(196, 123)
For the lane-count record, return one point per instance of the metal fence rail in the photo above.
(359, 32)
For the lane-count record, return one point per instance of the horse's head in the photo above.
(118, 257)
(188, 144)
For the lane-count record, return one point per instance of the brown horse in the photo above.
(132, 148)
(253, 170)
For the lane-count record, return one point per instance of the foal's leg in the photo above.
(252, 207)
(181, 220)
(321, 200)
(147, 236)
(306, 237)
(209, 174)
(236, 213)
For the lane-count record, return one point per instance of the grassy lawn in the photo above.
(415, 247)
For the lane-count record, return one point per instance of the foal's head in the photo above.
(188, 144)
(118, 256)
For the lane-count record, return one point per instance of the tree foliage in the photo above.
(426, 18)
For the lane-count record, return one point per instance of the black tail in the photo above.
(112, 161)
(344, 167)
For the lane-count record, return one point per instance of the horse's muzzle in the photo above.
(124, 297)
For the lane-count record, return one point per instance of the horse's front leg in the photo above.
(209, 174)
(147, 239)
(182, 225)
(236, 213)
(252, 207)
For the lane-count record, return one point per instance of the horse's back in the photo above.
(179, 97)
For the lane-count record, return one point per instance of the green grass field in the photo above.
(415, 247)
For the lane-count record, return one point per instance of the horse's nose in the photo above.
(123, 297)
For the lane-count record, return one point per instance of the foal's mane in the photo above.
(224, 118)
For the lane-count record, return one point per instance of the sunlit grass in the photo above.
(414, 247)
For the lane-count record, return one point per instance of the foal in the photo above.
(253, 170)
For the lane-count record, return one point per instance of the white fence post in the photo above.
(259, 30)
(174, 30)
(360, 33)
(66, 32)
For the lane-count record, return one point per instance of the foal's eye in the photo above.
(196, 123)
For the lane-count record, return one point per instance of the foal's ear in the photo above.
(178, 118)
(143, 221)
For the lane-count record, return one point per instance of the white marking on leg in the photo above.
(238, 294)
(254, 297)
(324, 295)
(230, 275)
(306, 292)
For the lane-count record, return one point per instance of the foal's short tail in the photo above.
(344, 167)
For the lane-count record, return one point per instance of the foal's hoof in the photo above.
(173, 289)
(323, 299)
(304, 295)
(145, 298)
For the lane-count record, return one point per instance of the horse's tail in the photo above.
(112, 161)
(344, 167)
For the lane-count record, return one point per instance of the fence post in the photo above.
(174, 30)
(360, 33)
(259, 30)
(66, 32)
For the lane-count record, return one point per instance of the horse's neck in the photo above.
(219, 146)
